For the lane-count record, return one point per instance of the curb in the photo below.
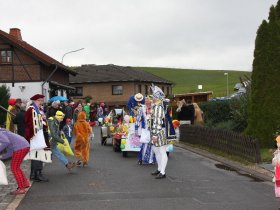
(254, 171)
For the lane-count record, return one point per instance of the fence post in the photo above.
(257, 150)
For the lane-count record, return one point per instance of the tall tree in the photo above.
(264, 105)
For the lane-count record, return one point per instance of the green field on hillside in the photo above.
(187, 80)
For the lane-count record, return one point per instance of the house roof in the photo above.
(113, 73)
(34, 52)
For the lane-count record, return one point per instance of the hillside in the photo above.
(187, 80)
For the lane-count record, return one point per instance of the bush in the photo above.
(216, 112)
(239, 111)
(228, 114)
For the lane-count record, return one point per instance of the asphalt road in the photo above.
(113, 182)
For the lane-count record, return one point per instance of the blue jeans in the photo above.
(56, 152)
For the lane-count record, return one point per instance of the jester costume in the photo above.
(33, 124)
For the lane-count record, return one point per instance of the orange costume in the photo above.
(82, 131)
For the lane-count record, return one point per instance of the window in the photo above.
(139, 88)
(162, 88)
(79, 91)
(146, 90)
(117, 90)
(6, 56)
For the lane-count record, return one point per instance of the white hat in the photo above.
(138, 97)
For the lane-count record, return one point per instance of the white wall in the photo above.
(25, 90)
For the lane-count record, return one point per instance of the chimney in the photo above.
(15, 32)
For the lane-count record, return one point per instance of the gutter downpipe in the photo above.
(49, 77)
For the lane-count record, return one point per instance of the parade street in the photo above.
(113, 182)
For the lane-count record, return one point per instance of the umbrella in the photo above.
(58, 98)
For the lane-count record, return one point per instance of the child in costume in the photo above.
(67, 130)
(276, 163)
(82, 131)
(17, 147)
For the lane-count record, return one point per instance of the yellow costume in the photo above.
(82, 131)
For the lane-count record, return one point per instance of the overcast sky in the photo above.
(200, 34)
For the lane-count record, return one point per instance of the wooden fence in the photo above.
(229, 142)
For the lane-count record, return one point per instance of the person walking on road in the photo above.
(33, 125)
(158, 134)
(17, 147)
(53, 123)
(82, 131)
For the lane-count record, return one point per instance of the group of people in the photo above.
(154, 126)
(27, 122)
(33, 125)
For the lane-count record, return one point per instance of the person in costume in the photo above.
(276, 163)
(158, 132)
(19, 120)
(56, 138)
(82, 131)
(86, 109)
(33, 124)
(15, 110)
(9, 123)
(133, 103)
(143, 121)
(17, 147)
(67, 130)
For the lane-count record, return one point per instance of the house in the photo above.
(28, 71)
(114, 84)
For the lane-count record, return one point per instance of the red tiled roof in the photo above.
(34, 52)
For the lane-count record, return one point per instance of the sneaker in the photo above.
(85, 164)
(39, 177)
(18, 191)
(70, 165)
(79, 163)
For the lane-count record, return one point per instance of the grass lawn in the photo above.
(267, 155)
(187, 80)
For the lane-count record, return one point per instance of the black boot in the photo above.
(39, 177)
(32, 174)
(155, 173)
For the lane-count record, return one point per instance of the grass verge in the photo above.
(221, 153)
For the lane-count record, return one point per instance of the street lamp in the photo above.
(70, 52)
(226, 74)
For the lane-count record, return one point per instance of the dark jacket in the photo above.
(54, 132)
(19, 121)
